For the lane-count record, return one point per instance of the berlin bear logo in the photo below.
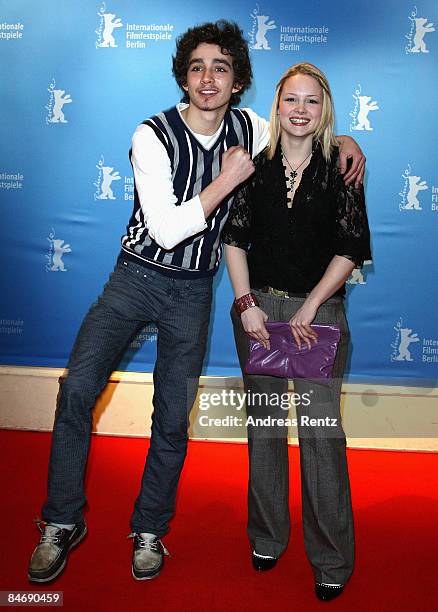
(412, 186)
(106, 176)
(421, 29)
(406, 338)
(403, 340)
(415, 185)
(108, 23)
(362, 107)
(365, 106)
(263, 25)
(58, 98)
(57, 249)
(420, 26)
(357, 276)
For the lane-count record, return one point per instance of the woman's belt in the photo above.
(280, 293)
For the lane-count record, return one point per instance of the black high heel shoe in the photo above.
(263, 563)
(327, 592)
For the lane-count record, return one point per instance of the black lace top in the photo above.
(290, 248)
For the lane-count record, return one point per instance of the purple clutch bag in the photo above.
(285, 359)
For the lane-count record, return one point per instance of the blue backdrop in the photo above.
(79, 75)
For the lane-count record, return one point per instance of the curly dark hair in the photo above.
(229, 37)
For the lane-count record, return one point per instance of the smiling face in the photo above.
(300, 106)
(210, 78)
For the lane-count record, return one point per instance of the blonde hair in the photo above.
(324, 132)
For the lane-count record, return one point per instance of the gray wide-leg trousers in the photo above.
(326, 502)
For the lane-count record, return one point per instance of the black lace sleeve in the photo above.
(237, 229)
(352, 239)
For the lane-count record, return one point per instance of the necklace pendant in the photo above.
(292, 176)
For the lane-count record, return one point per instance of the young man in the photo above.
(187, 162)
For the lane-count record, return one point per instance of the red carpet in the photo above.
(395, 498)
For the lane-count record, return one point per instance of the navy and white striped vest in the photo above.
(193, 169)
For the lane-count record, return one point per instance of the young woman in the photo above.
(294, 235)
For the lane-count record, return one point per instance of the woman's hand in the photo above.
(300, 324)
(253, 321)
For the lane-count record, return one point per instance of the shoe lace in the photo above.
(48, 533)
(150, 544)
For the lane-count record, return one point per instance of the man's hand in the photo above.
(349, 149)
(253, 321)
(237, 166)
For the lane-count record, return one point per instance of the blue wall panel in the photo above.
(78, 76)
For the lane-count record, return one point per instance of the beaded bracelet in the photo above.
(244, 302)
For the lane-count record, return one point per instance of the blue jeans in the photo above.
(134, 296)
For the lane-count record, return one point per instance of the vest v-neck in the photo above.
(214, 139)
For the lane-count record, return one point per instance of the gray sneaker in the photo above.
(147, 556)
(50, 555)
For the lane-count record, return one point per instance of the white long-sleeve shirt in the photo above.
(167, 223)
